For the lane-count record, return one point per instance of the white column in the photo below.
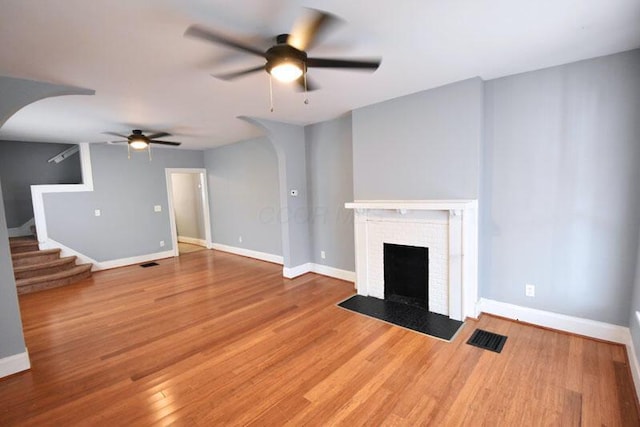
(361, 243)
(455, 264)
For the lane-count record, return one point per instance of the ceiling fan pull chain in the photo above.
(128, 151)
(270, 93)
(306, 97)
(149, 149)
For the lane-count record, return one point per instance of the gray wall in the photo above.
(188, 204)
(420, 146)
(16, 93)
(244, 195)
(560, 193)
(330, 183)
(289, 143)
(125, 191)
(11, 339)
(23, 164)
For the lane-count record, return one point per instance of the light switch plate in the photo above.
(97, 212)
(157, 208)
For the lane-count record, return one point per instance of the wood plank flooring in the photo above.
(216, 339)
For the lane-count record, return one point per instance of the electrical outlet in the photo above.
(530, 290)
(240, 239)
(97, 212)
(161, 243)
(157, 208)
(322, 255)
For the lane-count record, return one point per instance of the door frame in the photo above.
(205, 204)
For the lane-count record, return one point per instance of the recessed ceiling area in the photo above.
(148, 76)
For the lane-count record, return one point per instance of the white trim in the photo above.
(122, 262)
(13, 364)
(298, 270)
(325, 270)
(633, 364)
(104, 265)
(262, 256)
(23, 230)
(67, 251)
(430, 205)
(205, 205)
(562, 322)
(37, 192)
(192, 241)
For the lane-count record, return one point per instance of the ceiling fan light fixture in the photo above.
(286, 70)
(138, 144)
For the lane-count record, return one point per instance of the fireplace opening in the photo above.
(406, 274)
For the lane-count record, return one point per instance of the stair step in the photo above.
(23, 244)
(62, 278)
(45, 268)
(35, 257)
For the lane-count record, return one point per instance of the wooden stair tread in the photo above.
(15, 243)
(46, 264)
(35, 253)
(79, 269)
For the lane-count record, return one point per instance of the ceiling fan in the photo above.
(139, 141)
(287, 60)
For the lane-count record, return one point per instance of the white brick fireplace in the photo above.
(449, 228)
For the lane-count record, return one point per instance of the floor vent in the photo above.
(487, 340)
(149, 264)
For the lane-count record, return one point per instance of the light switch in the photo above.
(97, 212)
(157, 208)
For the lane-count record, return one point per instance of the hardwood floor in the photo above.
(216, 339)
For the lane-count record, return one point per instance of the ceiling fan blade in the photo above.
(208, 35)
(115, 134)
(175, 144)
(343, 63)
(236, 74)
(158, 135)
(310, 27)
(311, 86)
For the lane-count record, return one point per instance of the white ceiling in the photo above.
(147, 75)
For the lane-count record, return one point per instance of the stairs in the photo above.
(37, 270)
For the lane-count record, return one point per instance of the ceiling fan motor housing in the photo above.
(283, 52)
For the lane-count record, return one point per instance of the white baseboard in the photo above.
(67, 251)
(14, 364)
(104, 265)
(263, 256)
(562, 322)
(122, 262)
(325, 270)
(192, 240)
(633, 364)
(298, 270)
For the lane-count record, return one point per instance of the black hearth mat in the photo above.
(407, 316)
(487, 340)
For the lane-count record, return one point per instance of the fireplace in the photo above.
(448, 228)
(406, 274)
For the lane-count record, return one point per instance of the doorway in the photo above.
(188, 210)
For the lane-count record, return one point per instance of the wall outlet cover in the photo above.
(530, 290)
(157, 208)
(97, 212)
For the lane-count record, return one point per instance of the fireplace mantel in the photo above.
(462, 222)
